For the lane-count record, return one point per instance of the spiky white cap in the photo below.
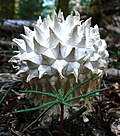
(60, 47)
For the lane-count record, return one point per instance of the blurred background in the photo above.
(104, 12)
(14, 14)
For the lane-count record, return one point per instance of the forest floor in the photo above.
(104, 120)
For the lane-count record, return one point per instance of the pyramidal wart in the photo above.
(61, 52)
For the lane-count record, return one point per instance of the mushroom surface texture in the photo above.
(61, 52)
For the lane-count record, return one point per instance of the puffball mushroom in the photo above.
(61, 52)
